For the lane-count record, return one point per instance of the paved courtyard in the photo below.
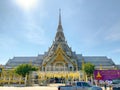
(28, 88)
(32, 88)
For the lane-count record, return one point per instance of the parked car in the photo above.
(116, 84)
(80, 85)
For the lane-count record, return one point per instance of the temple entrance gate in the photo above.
(49, 77)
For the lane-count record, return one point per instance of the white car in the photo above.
(116, 84)
(80, 85)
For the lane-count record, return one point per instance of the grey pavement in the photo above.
(34, 88)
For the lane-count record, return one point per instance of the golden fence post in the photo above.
(4, 79)
(86, 78)
(25, 82)
(9, 80)
(20, 80)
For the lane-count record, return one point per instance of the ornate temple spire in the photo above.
(59, 16)
(60, 29)
(60, 35)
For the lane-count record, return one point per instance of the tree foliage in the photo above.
(89, 68)
(24, 69)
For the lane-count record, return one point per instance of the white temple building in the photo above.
(60, 57)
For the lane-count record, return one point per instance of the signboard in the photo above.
(106, 74)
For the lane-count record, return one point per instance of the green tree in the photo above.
(24, 69)
(89, 69)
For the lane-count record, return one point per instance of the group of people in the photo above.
(105, 84)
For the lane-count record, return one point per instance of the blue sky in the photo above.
(28, 27)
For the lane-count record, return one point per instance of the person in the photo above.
(110, 84)
(70, 83)
(97, 82)
(94, 82)
(105, 86)
(89, 81)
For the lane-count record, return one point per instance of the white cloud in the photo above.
(35, 34)
(93, 38)
(113, 36)
(7, 43)
(116, 50)
(114, 33)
